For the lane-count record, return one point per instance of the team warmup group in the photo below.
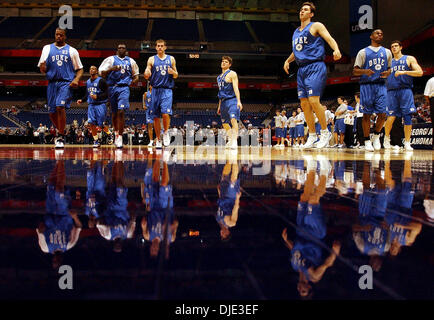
(386, 79)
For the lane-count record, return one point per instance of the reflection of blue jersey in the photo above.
(374, 240)
(122, 77)
(228, 194)
(305, 254)
(59, 64)
(116, 215)
(226, 89)
(377, 62)
(306, 47)
(310, 221)
(57, 231)
(95, 194)
(402, 81)
(156, 221)
(160, 78)
(147, 191)
(57, 202)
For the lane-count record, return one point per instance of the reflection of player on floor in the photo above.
(159, 226)
(120, 72)
(309, 52)
(61, 227)
(161, 70)
(372, 65)
(97, 94)
(229, 101)
(229, 200)
(400, 97)
(62, 66)
(149, 118)
(306, 254)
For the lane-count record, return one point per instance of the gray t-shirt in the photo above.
(342, 107)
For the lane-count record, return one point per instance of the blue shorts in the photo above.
(96, 114)
(373, 203)
(229, 110)
(161, 102)
(340, 126)
(329, 127)
(285, 132)
(400, 102)
(318, 128)
(299, 129)
(311, 80)
(279, 132)
(292, 132)
(59, 94)
(148, 115)
(373, 98)
(119, 98)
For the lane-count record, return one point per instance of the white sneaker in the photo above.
(368, 146)
(166, 139)
(118, 142)
(340, 145)
(229, 143)
(324, 139)
(386, 143)
(310, 141)
(151, 143)
(118, 155)
(234, 144)
(407, 146)
(58, 143)
(376, 142)
(158, 144)
(166, 155)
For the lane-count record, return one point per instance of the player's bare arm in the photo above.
(290, 59)
(319, 29)
(416, 70)
(234, 79)
(74, 83)
(218, 109)
(43, 67)
(357, 71)
(172, 70)
(148, 69)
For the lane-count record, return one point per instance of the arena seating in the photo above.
(174, 29)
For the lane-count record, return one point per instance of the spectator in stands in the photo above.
(63, 68)
(429, 99)
(120, 72)
(161, 72)
(41, 133)
(29, 132)
(52, 135)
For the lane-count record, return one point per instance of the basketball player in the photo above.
(399, 94)
(61, 227)
(291, 125)
(161, 70)
(339, 122)
(308, 51)
(372, 65)
(229, 101)
(299, 127)
(97, 94)
(278, 129)
(120, 71)
(149, 118)
(284, 128)
(95, 193)
(62, 66)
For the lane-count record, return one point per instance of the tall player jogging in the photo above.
(97, 93)
(372, 65)
(62, 66)
(229, 101)
(400, 101)
(161, 70)
(120, 71)
(309, 52)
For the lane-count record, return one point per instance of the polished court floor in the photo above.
(210, 223)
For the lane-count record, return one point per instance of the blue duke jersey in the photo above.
(304, 255)
(226, 89)
(402, 81)
(377, 62)
(95, 193)
(160, 78)
(58, 232)
(228, 195)
(61, 62)
(94, 88)
(122, 76)
(306, 47)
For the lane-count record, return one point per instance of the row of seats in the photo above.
(135, 29)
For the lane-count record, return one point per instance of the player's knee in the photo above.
(407, 119)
